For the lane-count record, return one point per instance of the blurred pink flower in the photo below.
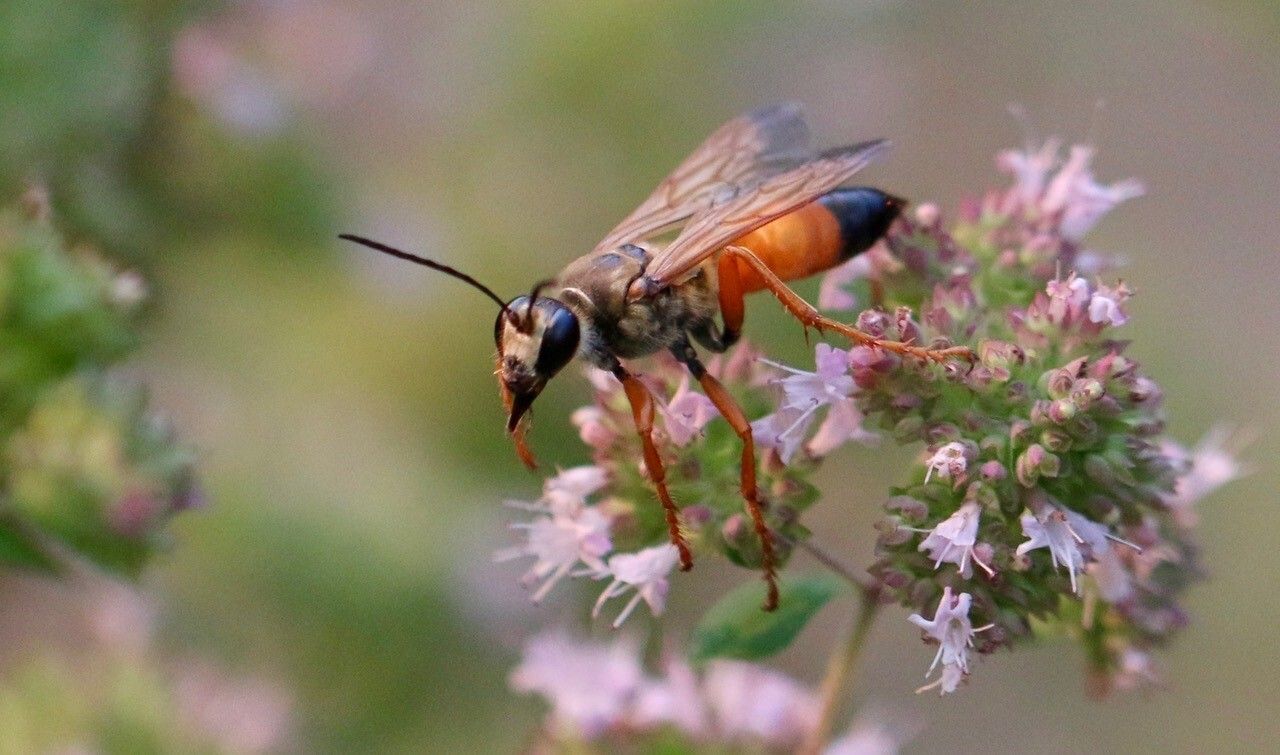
(832, 294)
(675, 699)
(1072, 194)
(842, 424)
(753, 703)
(590, 685)
(240, 715)
(1214, 462)
(1107, 305)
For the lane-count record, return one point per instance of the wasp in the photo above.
(751, 208)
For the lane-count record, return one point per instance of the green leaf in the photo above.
(736, 627)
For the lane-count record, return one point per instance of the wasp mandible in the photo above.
(755, 207)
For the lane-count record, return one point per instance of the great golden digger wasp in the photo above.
(754, 208)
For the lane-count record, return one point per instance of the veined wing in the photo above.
(743, 151)
(722, 223)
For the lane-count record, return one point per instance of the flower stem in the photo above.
(839, 669)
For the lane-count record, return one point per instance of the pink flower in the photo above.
(566, 532)
(1214, 462)
(686, 413)
(871, 736)
(755, 704)
(1106, 305)
(948, 462)
(590, 685)
(842, 424)
(783, 431)
(675, 699)
(1067, 298)
(1072, 194)
(646, 572)
(832, 294)
(1030, 169)
(952, 540)
(575, 484)
(803, 394)
(594, 427)
(1136, 669)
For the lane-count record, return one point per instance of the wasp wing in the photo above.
(726, 221)
(740, 153)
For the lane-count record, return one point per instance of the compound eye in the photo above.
(559, 341)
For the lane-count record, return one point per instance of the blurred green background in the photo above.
(342, 403)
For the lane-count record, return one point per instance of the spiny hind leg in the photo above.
(642, 411)
(730, 410)
(811, 318)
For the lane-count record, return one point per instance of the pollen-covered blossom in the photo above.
(952, 540)
(565, 532)
(589, 685)
(646, 572)
(953, 631)
(948, 462)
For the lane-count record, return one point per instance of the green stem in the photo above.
(839, 669)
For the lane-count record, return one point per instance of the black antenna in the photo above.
(533, 299)
(427, 263)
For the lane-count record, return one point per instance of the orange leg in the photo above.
(732, 307)
(730, 410)
(642, 413)
(811, 318)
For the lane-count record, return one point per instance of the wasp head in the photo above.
(536, 337)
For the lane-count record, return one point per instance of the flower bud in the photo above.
(1061, 410)
(1034, 463)
(1057, 383)
(908, 429)
(1056, 440)
(874, 322)
(1085, 392)
(993, 470)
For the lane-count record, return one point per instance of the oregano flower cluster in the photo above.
(1046, 498)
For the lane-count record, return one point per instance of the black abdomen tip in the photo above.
(864, 214)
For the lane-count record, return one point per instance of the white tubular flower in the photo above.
(952, 540)
(951, 627)
(948, 462)
(646, 572)
(566, 533)
(1063, 532)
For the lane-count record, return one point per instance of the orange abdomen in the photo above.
(797, 245)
